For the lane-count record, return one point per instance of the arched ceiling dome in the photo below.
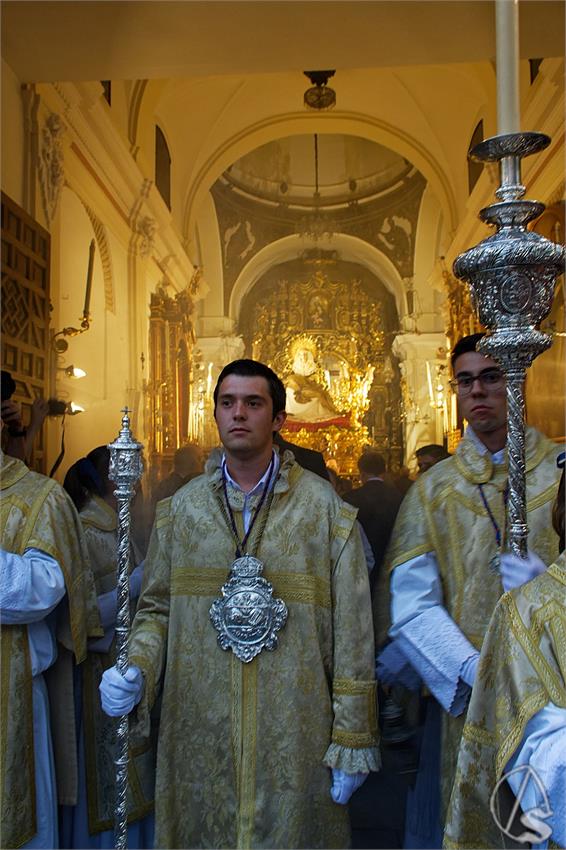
(349, 169)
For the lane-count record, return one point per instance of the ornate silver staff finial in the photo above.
(512, 275)
(125, 469)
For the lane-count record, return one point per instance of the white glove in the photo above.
(119, 694)
(516, 571)
(344, 785)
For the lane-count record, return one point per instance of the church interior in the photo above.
(179, 189)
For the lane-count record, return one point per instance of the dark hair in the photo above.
(8, 385)
(434, 450)
(372, 463)
(558, 513)
(464, 345)
(88, 477)
(252, 369)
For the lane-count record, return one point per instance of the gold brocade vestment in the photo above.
(443, 513)
(35, 512)
(521, 669)
(99, 522)
(244, 749)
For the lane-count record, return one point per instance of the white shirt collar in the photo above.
(262, 481)
(496, 457)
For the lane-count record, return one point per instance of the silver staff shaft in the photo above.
(512, 275)
(125, 470)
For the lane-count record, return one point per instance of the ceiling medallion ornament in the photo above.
(320, 96)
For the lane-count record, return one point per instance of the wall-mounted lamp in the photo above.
(61, 345)
(74, 372)
(73, 409)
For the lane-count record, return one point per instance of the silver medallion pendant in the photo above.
(247, 618)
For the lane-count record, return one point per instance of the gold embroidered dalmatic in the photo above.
(35, 512)
(521, 669)
(99, 522)
(244, 749)
(443, 512)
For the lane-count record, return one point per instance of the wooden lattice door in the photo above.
(25, 310)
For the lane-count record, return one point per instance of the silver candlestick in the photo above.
(512, 276)
(126, 468)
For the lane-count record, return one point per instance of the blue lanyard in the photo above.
(490, 513)
(241, 544)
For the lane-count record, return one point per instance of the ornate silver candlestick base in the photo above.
(126, 468)
(512, 275)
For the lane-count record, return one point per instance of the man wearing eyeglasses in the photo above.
(447, 561)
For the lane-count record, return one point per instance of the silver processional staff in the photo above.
(125, 469)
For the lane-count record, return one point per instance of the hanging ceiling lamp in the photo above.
(315, 225)
(320, 96)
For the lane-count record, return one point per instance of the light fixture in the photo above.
(320, 96)
(74, 372)
(73, 409)
(315, 225)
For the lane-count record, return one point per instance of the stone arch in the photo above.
(346, 123)
(350, 247)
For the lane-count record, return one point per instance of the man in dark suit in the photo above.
(307, 458)
(377, 503)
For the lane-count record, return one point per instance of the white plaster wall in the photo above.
(102, 350)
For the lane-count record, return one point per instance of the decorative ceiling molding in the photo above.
(347, 123)
(136, 99)
(351, 249)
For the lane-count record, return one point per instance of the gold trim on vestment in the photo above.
(547, 495)
(291, 587)
(527, 709)
(528, 639)
(409, 555)
(354, 740)
(248, 719)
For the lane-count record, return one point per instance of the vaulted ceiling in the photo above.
(94, 40)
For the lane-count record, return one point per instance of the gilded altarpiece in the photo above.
(328, 340)
(25, 311)
(171, 343)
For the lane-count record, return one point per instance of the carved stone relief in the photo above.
(51, 164)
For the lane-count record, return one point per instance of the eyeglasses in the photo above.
(490, 379)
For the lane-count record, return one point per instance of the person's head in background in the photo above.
(427, 456)
(371, 465)
(188, 461)
(88, 477)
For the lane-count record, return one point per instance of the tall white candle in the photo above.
(507, 39)
(89, 274)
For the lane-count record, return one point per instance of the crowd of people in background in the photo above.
(269, 751)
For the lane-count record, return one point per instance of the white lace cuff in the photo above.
(438, 650)
(352, 759)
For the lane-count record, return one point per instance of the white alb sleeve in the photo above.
(426, 634)
(31, 586)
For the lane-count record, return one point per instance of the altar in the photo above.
(326, 336)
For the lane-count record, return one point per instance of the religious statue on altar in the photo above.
(307, 397)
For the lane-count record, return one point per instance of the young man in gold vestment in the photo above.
(445, 555)
(515, 731)
(268, 719)
(48, 609)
